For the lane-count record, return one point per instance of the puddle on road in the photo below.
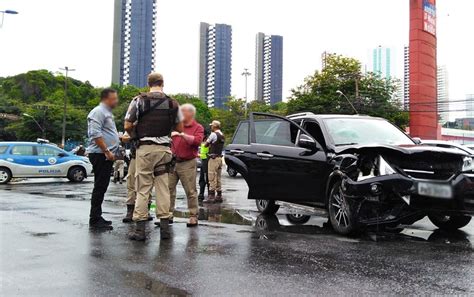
(156, 287)
(217, 214)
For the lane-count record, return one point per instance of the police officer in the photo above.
(156, 116)
(215, 142)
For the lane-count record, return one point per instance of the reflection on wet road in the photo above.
(47, 249)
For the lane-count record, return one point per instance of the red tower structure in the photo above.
(423, 91)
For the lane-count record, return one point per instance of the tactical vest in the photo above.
(157, 115)
(217, 147)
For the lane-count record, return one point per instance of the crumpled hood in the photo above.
(402, 149)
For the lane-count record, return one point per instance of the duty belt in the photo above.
(151, 142)
(213, 156)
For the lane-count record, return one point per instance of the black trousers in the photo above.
(102, 169)
(203, 178)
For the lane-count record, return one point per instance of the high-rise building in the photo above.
(470, 106)
(406, 77)
(134, 41)
(269, 68)
(215, 64)
(382, 62)
(443, 94)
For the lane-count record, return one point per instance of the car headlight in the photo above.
(467, 164)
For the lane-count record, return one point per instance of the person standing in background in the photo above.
(215, 142)
(203, 178)
(185, 147)
(104, 145)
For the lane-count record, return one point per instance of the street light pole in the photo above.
(340, 93)
(63, 135)
(246, 74)
(43, 134)
(3, 12)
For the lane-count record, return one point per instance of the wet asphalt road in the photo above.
(48, 250)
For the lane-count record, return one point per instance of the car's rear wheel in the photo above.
(267, 206)
(5, 175)
(297, 219)
(445, 222)
(76, 174)
(231, 172)
(341, 215)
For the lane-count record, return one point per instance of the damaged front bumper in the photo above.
(453, 196)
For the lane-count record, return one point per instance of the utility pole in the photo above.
(63, 136)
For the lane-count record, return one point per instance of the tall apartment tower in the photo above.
(269, 68)
(406, 77)
(133, 55)
(442, 87)
(382, 62)
(215, 64)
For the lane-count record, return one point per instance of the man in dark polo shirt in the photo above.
(185, 147)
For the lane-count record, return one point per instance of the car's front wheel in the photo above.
(341, 215)
(5, 175)
(267, 206)
(445, 222)
(76, 174)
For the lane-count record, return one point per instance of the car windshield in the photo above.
(363, 131)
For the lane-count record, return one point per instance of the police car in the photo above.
(40, 159)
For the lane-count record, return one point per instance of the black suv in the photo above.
(359, 170)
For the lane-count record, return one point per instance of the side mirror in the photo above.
(417, 140)
(62, 155)
(307, 142)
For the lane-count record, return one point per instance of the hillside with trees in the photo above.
(40, 94)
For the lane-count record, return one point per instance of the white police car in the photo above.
(40, 159)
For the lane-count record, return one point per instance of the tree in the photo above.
(318, 92)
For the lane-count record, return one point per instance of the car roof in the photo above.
(25, 143)
(306, 115)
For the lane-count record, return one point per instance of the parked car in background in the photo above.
(40, 159)
(359, 170)
(449, 144)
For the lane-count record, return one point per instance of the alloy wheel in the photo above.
(341, 208)
(3, 176)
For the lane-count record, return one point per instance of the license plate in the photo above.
(435, 190)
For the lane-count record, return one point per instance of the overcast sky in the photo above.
(50, 34)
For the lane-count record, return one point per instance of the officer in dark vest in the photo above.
(152, 116)
(215, 142)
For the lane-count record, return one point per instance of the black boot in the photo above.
(140, 232)
(201, 196)
(150, 217)
(165, 229)
(128, 218)
(219, 197)
(99, 225)
(211, 197)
